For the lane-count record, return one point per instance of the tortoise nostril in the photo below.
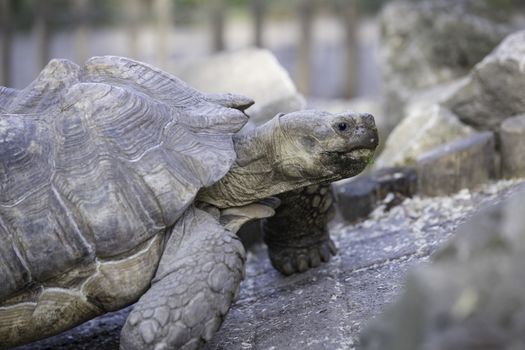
(342, 126)
(368, 118)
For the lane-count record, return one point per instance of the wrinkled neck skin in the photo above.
(262, 154)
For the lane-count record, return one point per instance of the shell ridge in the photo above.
(19, 253)
(71, 218)
(44, 93)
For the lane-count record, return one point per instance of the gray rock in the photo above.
(426, 125)
(470, 297)
(465, 163)
(495, 88)
(512, 146)
(250, 72)
(431, 42)
(357, 198)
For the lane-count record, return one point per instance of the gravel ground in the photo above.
(324, 308)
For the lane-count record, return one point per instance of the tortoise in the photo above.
(119, 184)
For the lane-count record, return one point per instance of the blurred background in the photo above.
(371, 55)
(326, 46)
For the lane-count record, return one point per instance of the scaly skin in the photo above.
(296, 236)
(197, 280)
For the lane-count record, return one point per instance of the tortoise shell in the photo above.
(96, 160)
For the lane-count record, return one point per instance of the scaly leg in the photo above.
(297, 236)
(197, 280)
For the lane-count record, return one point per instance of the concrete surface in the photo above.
(477, 306)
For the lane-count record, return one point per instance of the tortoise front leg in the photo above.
(197, 280)
(297, 236)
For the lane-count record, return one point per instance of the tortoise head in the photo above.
(294, 150)
(323, 147)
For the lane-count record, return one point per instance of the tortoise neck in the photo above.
(254, 175)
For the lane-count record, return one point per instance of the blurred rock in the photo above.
(427, 125)
(357, 198)
(490, 94)
(466, 163)
(495, 89)
(471, 297)
(400, 181)
(431, 42)
(251, 72)
(512, 146)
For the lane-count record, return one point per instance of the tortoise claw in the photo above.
(286, 269)
(290, 260)
(302, 263)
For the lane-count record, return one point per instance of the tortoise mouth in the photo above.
(357, 154)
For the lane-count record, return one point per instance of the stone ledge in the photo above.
(465, 163)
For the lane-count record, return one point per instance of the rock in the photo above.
(427, 125)
(495, 89)
(357, 198)
(465, 163)
(251, 72)
(400, 181)
(470, 297)
(431, 42)
(512, 146)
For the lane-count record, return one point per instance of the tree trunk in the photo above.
(350, 19)
(134, 8)
(164, 19)
(259, 9)
(218, 10)
(306, 11)
(41, 32)
(81, 10)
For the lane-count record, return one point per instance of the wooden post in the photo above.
(41, 32)
(350, 14)
(306, 11)
(259, 9)
(81, 13)
(133, 20)
(164, 18)
(6, 31)
(218, 10)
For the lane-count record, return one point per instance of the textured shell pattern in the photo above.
(95, 160)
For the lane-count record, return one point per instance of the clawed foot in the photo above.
(290, 260)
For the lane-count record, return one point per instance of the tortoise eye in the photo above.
(342, 126)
